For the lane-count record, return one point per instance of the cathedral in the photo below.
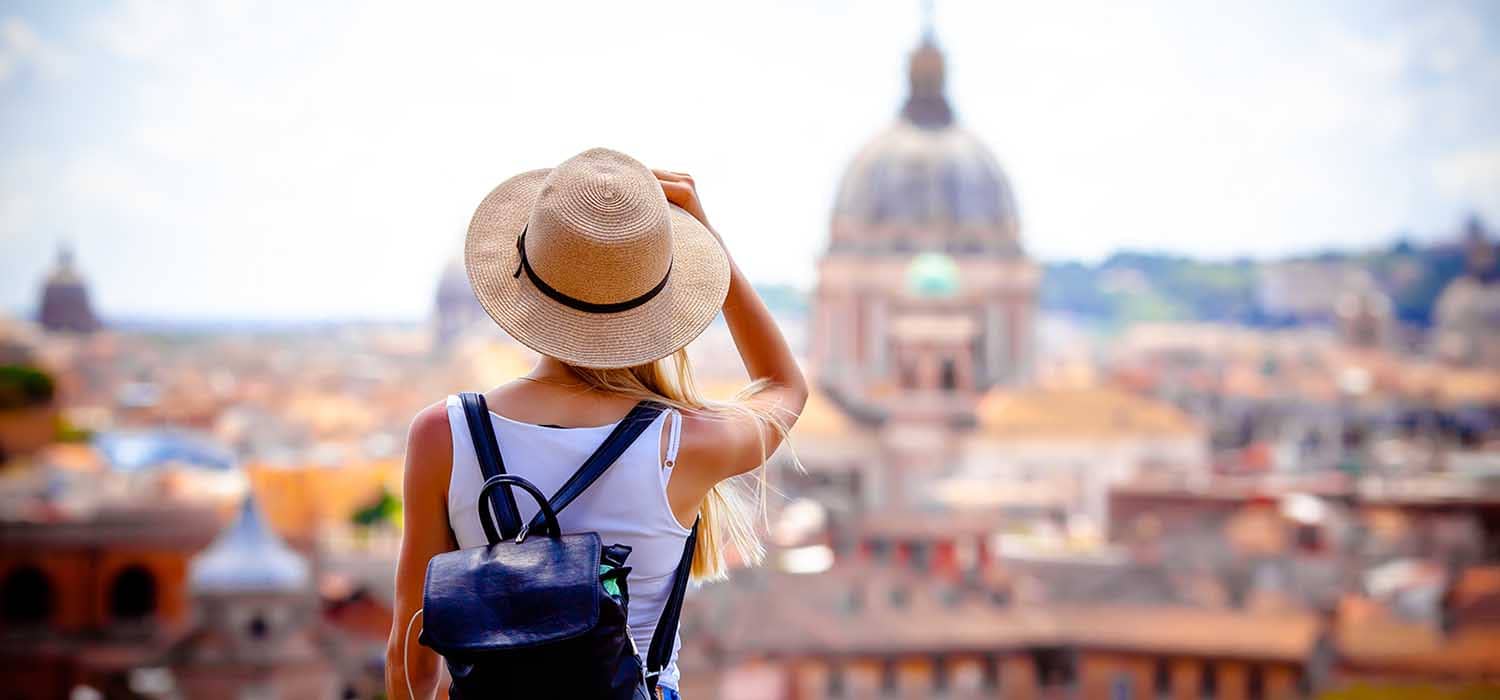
(925, 299)
(925, 290)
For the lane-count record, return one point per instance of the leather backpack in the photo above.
(536, 612)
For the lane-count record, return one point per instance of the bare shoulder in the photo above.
(429, 444)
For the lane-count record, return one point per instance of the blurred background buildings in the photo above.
(1147, 477)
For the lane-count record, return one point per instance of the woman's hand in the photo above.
(681, 190)
(723, 448)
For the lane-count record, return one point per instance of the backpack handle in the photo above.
(548, 515)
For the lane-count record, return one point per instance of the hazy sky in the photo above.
(309, 160)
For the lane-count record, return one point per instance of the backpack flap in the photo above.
(511, 595)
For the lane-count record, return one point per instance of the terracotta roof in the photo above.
(1099, 412)
(1389, 645)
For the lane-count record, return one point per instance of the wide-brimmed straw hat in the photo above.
(588, 263)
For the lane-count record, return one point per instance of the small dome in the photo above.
(932, 275)
(248, 557)
(65, 304)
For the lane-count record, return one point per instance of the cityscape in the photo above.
(1152, 476)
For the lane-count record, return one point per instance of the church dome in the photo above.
(65, 299)
(926, 174)
(248, 557)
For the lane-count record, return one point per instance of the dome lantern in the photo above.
(926, 105)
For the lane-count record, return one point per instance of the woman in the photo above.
(607, 269)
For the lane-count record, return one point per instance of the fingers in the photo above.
(671, 176)
(678, 193)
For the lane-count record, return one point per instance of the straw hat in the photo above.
(588, 263)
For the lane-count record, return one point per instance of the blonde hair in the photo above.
(730, 510)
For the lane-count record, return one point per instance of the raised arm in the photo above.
(716, 448)
(429, 460)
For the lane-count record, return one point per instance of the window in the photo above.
(258, 628)
(950, 375)
(1162, 679)
(26, 597)
(835, 681)
(1256, 685)
(919, 555)
(989, 670)
(1055, 667)
(1210, 683)
(939, 674)
(889, 678)
(132, 595)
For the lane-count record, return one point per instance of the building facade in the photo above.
(925, 299)
(924, 289)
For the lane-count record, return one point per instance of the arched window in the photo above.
(26, 597)
(133, 593)
(258, 628)
(949, 375)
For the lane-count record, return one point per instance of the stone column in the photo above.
(875, 340)
(996, 344)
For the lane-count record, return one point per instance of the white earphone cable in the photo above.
(405, 643)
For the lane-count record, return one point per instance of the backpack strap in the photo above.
(665, 636)
(626, 431)
(487, 449)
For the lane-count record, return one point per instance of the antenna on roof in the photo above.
(929, 29)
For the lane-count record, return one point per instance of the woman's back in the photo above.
(627, 505)
(608, 270)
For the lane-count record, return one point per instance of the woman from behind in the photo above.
(607, 270)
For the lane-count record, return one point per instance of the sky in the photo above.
(295, 160)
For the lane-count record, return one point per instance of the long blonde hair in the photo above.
(730, 511)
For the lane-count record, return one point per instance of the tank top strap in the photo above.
(674, 437)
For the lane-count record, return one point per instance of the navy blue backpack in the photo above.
(537, 613)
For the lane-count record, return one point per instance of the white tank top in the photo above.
(627, 505)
